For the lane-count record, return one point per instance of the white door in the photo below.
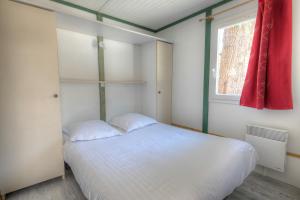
(164, 81)
(30, 130)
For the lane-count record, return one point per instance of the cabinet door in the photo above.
(164, 81)
(30, 130)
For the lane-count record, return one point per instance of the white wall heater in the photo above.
(270, 144)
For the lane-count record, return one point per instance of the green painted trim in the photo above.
(128, 23)
(101, 78)
(99, 17)
(101, 74)
(205, 10)
(206, 73)
(66, 3)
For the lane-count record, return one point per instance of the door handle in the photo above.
(55, 95)
(159, 92)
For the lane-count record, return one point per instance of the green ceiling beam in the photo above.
(66, 3)
(128, 23)
(194, 14)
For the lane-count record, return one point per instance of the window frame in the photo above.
(219, 22)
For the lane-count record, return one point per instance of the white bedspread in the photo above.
(160, 162)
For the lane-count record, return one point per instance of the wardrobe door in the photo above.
(30, 130)
(164, 59)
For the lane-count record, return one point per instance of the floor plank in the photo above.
(261, 187)
(56, 189)
(256, 187)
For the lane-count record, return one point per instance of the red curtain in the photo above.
(268, 81)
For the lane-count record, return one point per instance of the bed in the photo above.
(160, 162)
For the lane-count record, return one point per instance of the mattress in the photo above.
(160, 162)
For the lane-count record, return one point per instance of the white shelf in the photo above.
(82, 81)
(134, 82)
(82, 22)
(79, 81)
(94, 27)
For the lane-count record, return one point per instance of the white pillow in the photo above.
(90, 130)
(131, 121)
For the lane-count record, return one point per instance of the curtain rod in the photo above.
(211, 17)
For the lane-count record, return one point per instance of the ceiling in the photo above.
(152, 14)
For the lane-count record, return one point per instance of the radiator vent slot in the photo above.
(269, 133)
(270, 144)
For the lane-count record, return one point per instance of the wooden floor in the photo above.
(256, 187)
(264, 188)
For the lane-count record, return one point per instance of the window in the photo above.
(232, 47)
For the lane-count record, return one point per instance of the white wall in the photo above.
(228, 119)
(122, 62)
(188, 55)
(78, 59)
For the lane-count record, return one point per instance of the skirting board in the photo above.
(294, 155)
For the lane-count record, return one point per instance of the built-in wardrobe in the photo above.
(56, 69)
(30, 119)
(157, 72)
